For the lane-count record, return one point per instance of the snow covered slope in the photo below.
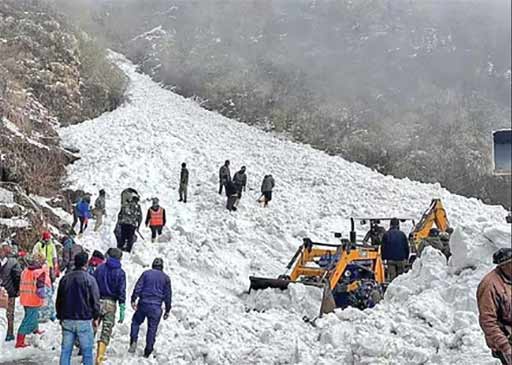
(428, 317)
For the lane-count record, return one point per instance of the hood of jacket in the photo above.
(113, 263)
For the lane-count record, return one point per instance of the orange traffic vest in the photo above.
(28, 288)
(157, 217)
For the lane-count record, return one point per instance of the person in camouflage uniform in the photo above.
(129, 220)
(183, 183)
(438, 240)
(111, 280)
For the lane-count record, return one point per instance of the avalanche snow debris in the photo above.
(428, 315)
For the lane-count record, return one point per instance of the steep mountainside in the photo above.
(50, 74)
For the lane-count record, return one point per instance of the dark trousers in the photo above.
(221, 185)
(155, 231)
(230, 205)
(127, 237)
(83, 224)
(153, 313)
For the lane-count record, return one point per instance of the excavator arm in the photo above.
(435, 214)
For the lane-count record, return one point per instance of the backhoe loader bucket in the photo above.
(258, 283)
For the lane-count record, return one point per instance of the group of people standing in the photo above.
(89, 295)
(236, 185)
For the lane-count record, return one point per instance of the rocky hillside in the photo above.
(50, 74)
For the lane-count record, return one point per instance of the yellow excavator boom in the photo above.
(435, 214)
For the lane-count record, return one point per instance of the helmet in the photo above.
(46, 236)
(502, 256)
(434, 232)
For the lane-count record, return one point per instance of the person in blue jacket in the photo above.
(152, 289)
(395, 250)
(111, 280)
(83, 211)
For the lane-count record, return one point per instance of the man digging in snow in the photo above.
(494, 296)
(152, 289)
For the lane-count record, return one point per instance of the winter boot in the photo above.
(100, 354)
(9, 338)
(20, 342)
(133, 347)
(147, 353)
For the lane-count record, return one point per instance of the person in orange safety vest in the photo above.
(155, 219)
(33, 281)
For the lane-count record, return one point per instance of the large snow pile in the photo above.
(428, 316)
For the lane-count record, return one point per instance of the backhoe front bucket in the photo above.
(258, 283)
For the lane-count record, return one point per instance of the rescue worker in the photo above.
(438, 240)
(111, 280)
(267, 186)
(83, 211)
(10, 275)
(69, 250)
(46, 247)
(99, 210)
(395, 250)
(97, 258)
(78, 305)
(224, 175)
(129, 219)
(494, 296)
(240, 181)
(32, 295)
(155, 219)
(152, 289)
(232, 194)
(183, 183)
(75, 212)
(375, 234)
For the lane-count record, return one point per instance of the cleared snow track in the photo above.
(428, 317)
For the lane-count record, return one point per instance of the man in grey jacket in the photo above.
(99, 209)
(224, 175)
(266, 189)
(10, 274)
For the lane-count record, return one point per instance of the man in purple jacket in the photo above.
(111, 280)
(152, 289)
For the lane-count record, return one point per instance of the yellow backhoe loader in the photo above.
(349, 274)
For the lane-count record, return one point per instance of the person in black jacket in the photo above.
(10, 274)
(78, 304)
(232, 194)
(395, 250)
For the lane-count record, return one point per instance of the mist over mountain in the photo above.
(410, 88)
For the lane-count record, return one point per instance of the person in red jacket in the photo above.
(155, 219)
